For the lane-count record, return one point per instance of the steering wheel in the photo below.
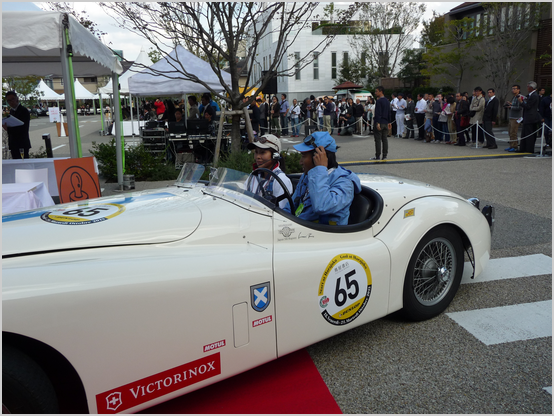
(266, 195)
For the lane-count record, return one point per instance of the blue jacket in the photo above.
(326, 195)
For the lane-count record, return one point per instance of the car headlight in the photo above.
(475, 202)
(488, 212)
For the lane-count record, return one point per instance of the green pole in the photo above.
(101, 112)
(72, 90)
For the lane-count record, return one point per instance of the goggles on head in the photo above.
(264, 140)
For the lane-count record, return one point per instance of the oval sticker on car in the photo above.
(83, 214)
(344, 289)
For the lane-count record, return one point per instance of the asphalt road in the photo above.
(437, 366)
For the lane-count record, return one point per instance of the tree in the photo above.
(433, 31)
(350, 70)
(82, 17)
(453, 56)
(154, 55)
(412, 66)
(504, 40)
(391, 26)
(217, 30)
(26, 88)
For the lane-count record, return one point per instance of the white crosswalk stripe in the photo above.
(507, 323)
(510, 323)
(511, 268)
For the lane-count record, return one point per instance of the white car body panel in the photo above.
(145, 300)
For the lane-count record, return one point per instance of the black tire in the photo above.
(25, 386)
(434, 274)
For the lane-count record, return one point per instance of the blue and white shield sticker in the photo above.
(260, 296)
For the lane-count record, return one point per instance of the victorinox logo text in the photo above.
(157, 385)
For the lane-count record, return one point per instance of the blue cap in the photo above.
(316, 139)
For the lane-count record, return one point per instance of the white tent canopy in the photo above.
(38, 42)
(142, 60)
(37, 52)
(150, 83)
(81, 93)
(48, 94)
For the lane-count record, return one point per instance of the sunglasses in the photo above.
(264, 140)
(310, 141)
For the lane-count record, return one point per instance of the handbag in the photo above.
(464, 121)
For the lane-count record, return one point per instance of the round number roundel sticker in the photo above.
(83, 214)
(344, 289)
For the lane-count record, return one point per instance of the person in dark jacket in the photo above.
(489, 119)
(382, 123)
(531, 118)
(410, 112)
(545, 110)
(462, 120)
(275, 112)
(18, 137)
(169, 113)
(264, 111)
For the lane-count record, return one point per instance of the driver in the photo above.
(325, 190)
(267, 155)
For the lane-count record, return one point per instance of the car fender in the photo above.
(412, 221)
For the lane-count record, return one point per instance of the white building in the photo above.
(320, 76)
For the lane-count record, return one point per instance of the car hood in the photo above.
(147, 217)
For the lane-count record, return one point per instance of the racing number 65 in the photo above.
(341, 294)
(87, 212)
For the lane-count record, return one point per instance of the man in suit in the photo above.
(410, 111)
(531, 118)
(420, 115)
(18, 137)
(489, 117)
(264, 111)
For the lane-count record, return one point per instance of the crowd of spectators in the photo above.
(457, 119)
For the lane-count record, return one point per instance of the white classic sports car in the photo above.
(119, 303)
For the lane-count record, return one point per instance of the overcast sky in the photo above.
(131, 44)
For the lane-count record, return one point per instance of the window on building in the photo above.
(345, 57)
(89, 79)
(297, 65)
(477, 25)
(333, 65)
(265, 67)
(503, 18)
(316, 65)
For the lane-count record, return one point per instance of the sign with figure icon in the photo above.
(77, 179)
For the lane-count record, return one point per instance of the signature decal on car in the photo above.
(260, 296)
(83, 214)
(157, 385)
(344, 289)
(409, 212)
(288, 233)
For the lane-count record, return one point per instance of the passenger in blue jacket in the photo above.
(325, 190)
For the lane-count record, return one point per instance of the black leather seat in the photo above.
(360, 209)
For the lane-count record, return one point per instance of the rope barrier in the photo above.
(363, 121)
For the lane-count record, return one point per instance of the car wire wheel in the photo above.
(434, 271)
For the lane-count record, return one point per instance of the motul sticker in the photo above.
(157, 385)
(262, 321)
(214, 345)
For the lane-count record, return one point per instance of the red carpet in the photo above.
(290, 384)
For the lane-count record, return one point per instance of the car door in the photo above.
(326, 282)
